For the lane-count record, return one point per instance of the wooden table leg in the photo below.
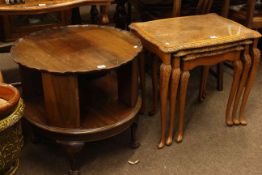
(235, 84)
(247, 64)
(127, 76)
(255, 56)
(182, 100)
(220, 76)
(133, 139)
(154, 86)
(142, 76)
(203, 83)
(72, 149)
(104, 15)
(94, 14)
(165, 71)
(175, 77)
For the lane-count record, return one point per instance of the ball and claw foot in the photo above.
(179, 138)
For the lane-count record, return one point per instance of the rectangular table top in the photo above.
(191, 32)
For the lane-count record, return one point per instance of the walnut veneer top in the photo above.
(190, 32)
(75, 49)
(40, 6)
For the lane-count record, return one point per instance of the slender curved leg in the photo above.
(255, 53)
(165, 71)
(141, 61)
(237, 73)
(175, 77)
(203, 83)
(182, 100)
(72, 148)
(247, 65)
(133, 139)
(154, 85)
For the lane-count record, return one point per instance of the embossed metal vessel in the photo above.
(11, 138)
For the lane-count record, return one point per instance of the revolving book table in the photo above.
(70, 94)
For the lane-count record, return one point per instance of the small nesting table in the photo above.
(202, 40)
(70, 93)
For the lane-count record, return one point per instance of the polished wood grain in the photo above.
(100, 113)
(80, 84)
(175, 36)
(61, 92)
(84, 49)
(65, 11)
(32, 6)
(127, 84)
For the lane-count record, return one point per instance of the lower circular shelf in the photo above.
(97, 122)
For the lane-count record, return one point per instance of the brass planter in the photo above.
(11, 138)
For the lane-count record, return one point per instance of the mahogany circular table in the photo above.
(80, 83)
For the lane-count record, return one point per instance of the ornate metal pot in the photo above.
(11, 138)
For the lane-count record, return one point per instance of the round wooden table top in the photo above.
(44, 6)
(76, 49)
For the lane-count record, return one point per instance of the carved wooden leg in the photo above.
(173, 94)
(203, 83)
(255, 54)
(142, 75)
(94, 14)
(182, 100)
(237, 73)
(72, 148)
(154, 86)
(133, 139)
(165, 71)
(247, 65)
(104, 15)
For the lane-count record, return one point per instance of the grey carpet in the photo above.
(209, 147)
